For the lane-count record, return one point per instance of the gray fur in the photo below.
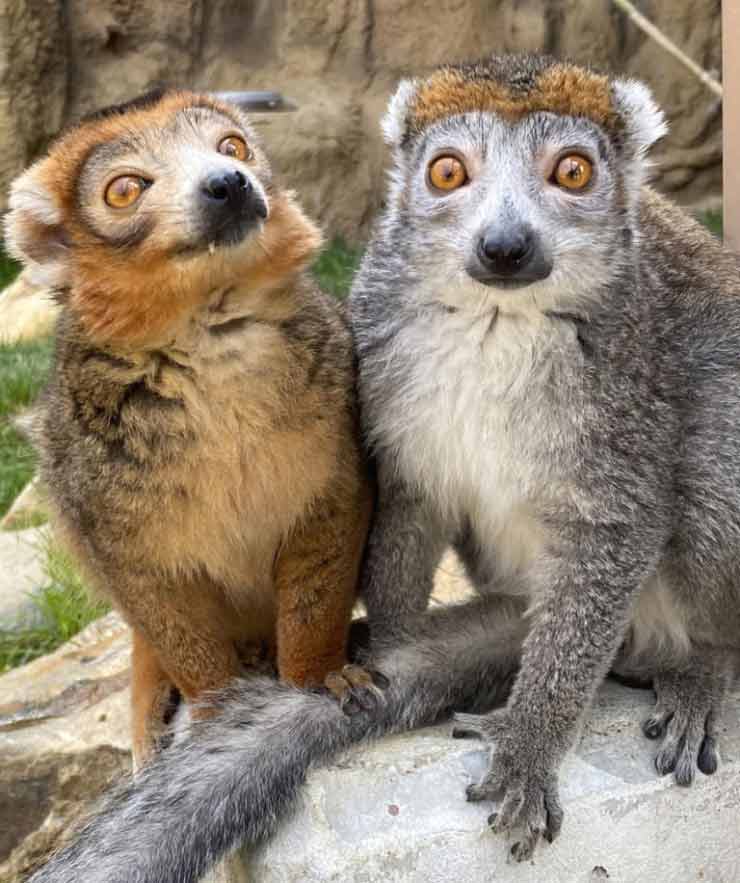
(232, 777)
(576, 440)
(580, 434)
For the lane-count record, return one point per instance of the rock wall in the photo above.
(339, 59)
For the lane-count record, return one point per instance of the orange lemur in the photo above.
(199, 435)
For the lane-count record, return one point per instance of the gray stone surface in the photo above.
(21, 572)
(64, 739)
(396, 812)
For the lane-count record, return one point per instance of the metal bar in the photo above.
(731, 122)
(257, 102)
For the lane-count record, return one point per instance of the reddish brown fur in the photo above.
(561, 88)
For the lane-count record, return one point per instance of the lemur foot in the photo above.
(685, 717)
(526, 787)
(356, 688)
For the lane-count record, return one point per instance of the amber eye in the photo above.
(447, 173)
(573, 172)
(236, 147)
(124, 191)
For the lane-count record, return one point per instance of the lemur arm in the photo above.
(586, 593)
(407, 540)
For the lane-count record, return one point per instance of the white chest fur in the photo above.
(480, 416)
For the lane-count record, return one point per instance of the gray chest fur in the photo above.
(478, 413)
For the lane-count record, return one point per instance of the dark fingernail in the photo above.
(379, 679)
(459, 733)
(707, 761)
(653, 728)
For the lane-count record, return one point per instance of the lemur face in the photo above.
(530, 205)
(190, 182)
(511, 191)
(144, 214)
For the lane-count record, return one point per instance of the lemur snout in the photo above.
(512, 254)
(231, 186)
(231, 203)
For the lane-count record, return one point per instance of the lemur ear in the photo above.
(33, 230)
(643, 117)
(394, 121)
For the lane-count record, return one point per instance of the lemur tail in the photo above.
(231, 778)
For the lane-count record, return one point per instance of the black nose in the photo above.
(230, 207)
(509, 254)
(232, 187)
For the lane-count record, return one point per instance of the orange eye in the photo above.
(236, 147)
(447, 173)
(124, 191)
(573, 172)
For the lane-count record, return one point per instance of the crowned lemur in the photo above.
(549, 375)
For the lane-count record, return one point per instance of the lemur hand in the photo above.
(521, 777)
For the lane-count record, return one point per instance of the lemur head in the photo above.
(518, 178)
(136, 215)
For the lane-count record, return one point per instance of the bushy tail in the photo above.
(231, 778)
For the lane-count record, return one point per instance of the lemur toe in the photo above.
(357, 689)
(708, 760)
(654, 727)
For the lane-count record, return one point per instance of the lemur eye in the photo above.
(236, 147)
(573, 172)
(124, 191)
(447, 173)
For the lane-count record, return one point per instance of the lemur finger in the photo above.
(489, 788)
(480, 726)
(533, 818)
(682, 745)
(655, 725)
(553, 813)
(467, 726)
(708, 760)
(509, 812)
(523, 849)
(355, 689)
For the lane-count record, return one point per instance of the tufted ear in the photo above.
(394, 120)
(33, 229)
(643, 117)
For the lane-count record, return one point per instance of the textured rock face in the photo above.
(21, 573)
(64, 721)
(339, 59)
(396, 813)
(64, 740)
(26, 311)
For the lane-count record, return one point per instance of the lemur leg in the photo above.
(405, 546)
(316, 579)
(580, 619)
(191, 629)
(687, 709)
(154, 699)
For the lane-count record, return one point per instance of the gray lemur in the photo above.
(549, 373)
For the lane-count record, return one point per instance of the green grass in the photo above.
(63, 608)
(335, 267)
(23, 371)
(712, 220)
(9, 269)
